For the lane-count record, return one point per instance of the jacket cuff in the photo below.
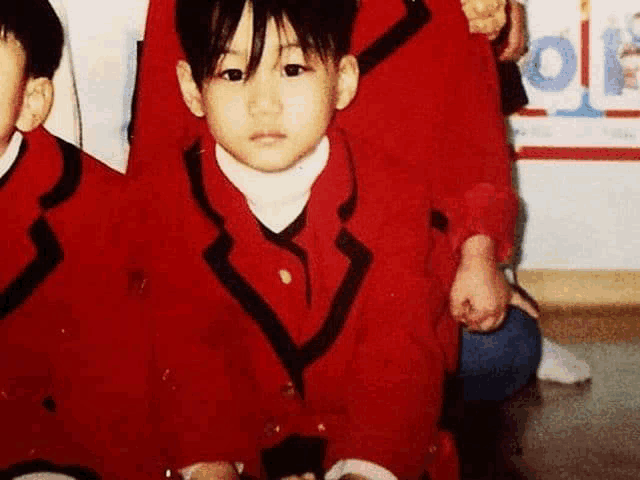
(486, 210)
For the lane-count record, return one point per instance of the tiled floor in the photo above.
(561, 432)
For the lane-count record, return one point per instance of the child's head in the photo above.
(31, 41)
(267, 74)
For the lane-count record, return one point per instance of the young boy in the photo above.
(295, 321)
(63, 287)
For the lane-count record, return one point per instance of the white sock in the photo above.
(560, 365)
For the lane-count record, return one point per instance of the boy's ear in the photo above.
(36, 104)
(348, 77)
(189, 89)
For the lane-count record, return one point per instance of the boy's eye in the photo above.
(232, 74)
(293, 70)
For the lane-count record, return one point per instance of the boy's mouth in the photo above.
(268, 137)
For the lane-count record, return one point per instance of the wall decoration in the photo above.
(582, 76)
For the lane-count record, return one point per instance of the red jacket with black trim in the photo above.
(73, 353)
(329, 330)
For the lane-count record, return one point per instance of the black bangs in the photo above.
(35, 25)
(206, 28)
(322, 27)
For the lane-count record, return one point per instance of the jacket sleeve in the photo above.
(162, 123)
(436, 103)
(473, 180)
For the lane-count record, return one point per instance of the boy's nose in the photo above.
(264, 96)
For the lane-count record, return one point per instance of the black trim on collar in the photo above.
(193, 163)
(24, 146)
(284, 239)
(217, 257)
(70, 178)
(49, 255)
(417, 16)
(36, 466)
(360, 258)
(439, 221)
(292, 230)
(294, 359)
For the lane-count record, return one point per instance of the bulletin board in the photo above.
(582, 77)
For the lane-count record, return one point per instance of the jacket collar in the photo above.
(333, 196)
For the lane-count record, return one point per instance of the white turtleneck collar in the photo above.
(276, 199)
(8, 158)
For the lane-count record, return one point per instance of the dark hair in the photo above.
(206, 27)
(36, 26)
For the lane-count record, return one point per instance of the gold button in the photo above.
(285, 276)
(271, 429)
(433, 449)
(288, 390)
(321, 427)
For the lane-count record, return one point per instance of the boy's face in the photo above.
(12, 87)
(279, 115)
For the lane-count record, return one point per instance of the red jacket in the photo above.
(73, 368)
(330, 329)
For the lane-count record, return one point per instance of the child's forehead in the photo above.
(11, 44)
(279, 31)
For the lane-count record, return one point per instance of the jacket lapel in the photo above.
(341, 205)
(49, 252)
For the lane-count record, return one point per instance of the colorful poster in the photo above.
(614, 54)
(582, 77)
(551, 69)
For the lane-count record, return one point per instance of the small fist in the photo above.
(486, 16)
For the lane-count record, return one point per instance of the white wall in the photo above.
(103, 37)
(580, 214)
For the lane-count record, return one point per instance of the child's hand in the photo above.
(214, 471)
(485, 16)
(480, 293)
(516, 43)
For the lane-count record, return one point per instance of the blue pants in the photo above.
(495, 365)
